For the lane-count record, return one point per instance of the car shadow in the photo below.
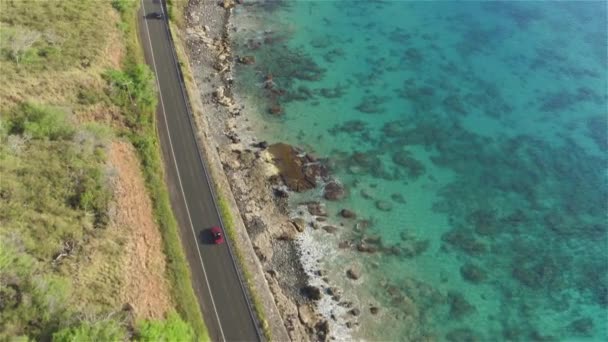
(205, 237)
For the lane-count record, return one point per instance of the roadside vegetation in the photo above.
(73, 82)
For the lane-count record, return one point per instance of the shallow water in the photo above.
(473, 137)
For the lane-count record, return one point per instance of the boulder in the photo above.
(299, 224)
(353, 273)
(334, 191)
(246, 60)
(227, 4)
(280, 192)
(322, 330)
(344, 244)
(330, 229)
(311, 292)
(347, 213)
(365, 248)
(332, 291)
(294, 167)
(262, 144)
(374, 310)
(306, 315)
(316, 208)
(355, 312)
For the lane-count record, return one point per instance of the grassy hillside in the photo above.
(73, 82)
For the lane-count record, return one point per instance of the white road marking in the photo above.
(178, 174)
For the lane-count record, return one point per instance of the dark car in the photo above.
(156, 15)
(218, 236)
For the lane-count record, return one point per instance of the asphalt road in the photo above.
(215, 279)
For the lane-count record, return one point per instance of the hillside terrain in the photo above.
(88, 245)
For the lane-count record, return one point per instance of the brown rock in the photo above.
(330, 229)
(353, 273)
(299, 223)
(293, 167)
(344, 244)
(374, 310)
(355, 312)
(316, 208)
(247, 60)
(334, 191)
(322, 329)
(227, 4)
(347, 213)
(363, 247)
(306, 315)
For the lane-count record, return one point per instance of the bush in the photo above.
(134, 91)
(32, 302)
(105, 330)
(171, 329)
(40, 122)
(123, 6)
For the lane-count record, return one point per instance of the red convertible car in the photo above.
(218, 236)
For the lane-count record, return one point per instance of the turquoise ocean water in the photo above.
(473, 138)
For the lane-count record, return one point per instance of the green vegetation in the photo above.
(61, 74)
(114, 329)
(103, 330)
(176, 10)
(171, 329)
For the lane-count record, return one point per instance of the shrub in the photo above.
(123, 6)
(104, 330)
(32, 302)
(40, 122)
(171, 329)
(134, 91)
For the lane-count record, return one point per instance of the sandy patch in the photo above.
(143, 267)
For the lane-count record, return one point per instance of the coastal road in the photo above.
(215, 279)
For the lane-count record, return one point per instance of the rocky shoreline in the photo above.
(261, 178)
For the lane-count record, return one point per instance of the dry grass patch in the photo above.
(51, 51)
